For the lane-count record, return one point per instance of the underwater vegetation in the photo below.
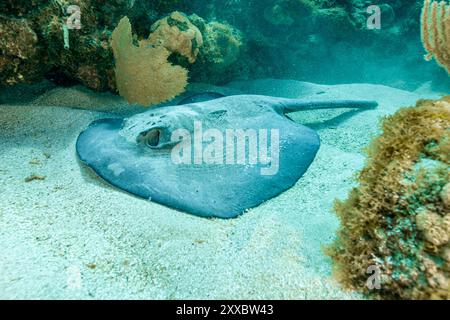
(436, 32)
(398, 219)
(143, 74)
(36, 42)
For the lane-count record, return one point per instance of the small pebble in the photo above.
(34, 177)
(35, 161)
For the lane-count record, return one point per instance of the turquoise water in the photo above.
(128, 209)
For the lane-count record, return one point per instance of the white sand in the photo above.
(73, 236)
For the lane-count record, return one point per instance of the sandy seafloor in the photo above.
(72, 236)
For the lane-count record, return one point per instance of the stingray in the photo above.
(201, 97)
(215, 158)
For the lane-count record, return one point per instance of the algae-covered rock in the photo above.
(19, 8)
(49, 49)
(18, 51)
(287, 12)
(398, 219)
(335, 23)
(222, 45)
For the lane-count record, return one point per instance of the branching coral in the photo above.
(143, 74)
(398, 218)
(436, 31)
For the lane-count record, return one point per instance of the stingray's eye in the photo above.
(151, 138)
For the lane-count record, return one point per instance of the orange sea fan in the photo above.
(143, 73)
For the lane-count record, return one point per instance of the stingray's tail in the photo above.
(294, 105)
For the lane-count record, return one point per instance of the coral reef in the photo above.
(253, 39)
(398, 218)
(222, 45)
(178, 35)
(18, 52)
(65, 56)
(222, 56)
(281, 35)
(143, 74)
(436, 31)
(85, 56)
(82, 55)
(286, 12)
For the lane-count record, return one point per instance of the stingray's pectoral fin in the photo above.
(294, 105)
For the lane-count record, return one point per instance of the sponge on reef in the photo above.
(143, 73)
(398, 218)
(178, 35)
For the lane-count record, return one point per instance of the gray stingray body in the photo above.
(137, 154)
